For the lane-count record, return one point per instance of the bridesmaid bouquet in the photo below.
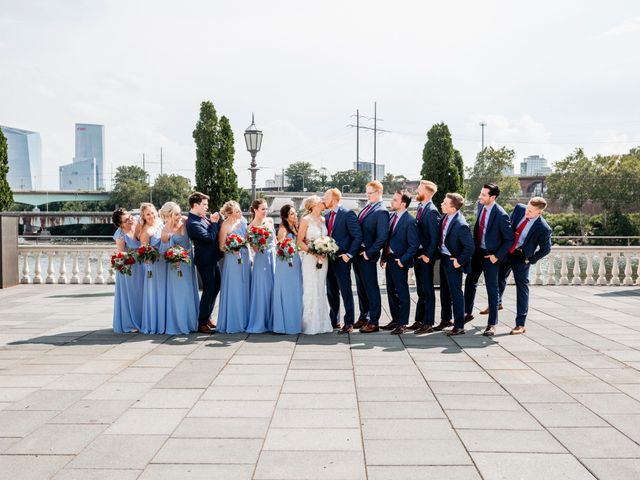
(325, 246)
(176, 256)
(286, 250)
(257, 238)
(148, 254)
(234, 243)
(121, 262)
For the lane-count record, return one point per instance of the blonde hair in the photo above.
(376, 185)
(538, 202)
(228, 208)
(311, 202)
(429, 185)
(167, 210)
(335, 193)
(144, 206)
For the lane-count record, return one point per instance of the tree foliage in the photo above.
(392, 183)
(356, 181)
(130, 187)
(215, 175)
(490, 167)
(572, 181)
(440, 164)
(172, 188)
(302, 177)
(6, 196)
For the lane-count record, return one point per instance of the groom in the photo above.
(342, 225)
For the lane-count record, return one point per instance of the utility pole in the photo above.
(357, 140)
(375, 136)
(160, 160)
(482, 125)
(375, 130)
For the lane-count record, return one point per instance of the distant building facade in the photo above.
(534, 165)
(368, 167)
(87, 171)
(25, 158)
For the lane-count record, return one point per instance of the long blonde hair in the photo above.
(228, 208)
(311, 202)
(167, 210)
(143, 208)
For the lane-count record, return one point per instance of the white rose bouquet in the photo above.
(323, 247)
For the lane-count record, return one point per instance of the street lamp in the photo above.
(253, 139)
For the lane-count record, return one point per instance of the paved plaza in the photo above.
(561, 402)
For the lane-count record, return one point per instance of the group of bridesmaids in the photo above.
(258, 293)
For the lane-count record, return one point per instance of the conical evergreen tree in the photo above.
(439, 163)
(6, 195)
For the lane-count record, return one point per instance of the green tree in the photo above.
(6, 195)
(302, 177)
(356, 181)
(392, 183)
(172, 188)
(130, 187)
(439, 162)
(459, 164)
(215, 175)
(490, 167)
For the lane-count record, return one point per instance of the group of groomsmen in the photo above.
(498, 245)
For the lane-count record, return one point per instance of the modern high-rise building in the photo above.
(87, 171)
(368, 167)
(25, 158)
(534, 165)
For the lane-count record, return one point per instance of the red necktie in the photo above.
(387, 250)
(518, 233)
(419, 213)
(363, 213)
(331, 219)
(481, 228)
(444, 226)
(206, 220)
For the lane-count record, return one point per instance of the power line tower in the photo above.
(375, 130)
(482, 125)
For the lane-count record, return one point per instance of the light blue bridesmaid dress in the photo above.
(261, 312)
(154, 291)
(182, 300)
(127, 302)
(235, 289)
(287, 295)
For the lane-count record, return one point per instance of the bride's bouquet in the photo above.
(234, 244)
(121, 262)
(257, 238)
(324, 246)
(176, 256)
(286, 250)
(149, 255)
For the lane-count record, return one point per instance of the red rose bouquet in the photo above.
(148, 255)
(234, 244)
(121, 262)
(286, 250)
(258, 238)
(176, 256)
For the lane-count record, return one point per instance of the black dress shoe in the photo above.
(415, 326)
(490, 331)
(467, 317)
(399, 330)
(337, 326)
(443, 325)
(425, 329)
(360, 324)
(345, 329)
(389, 326)
(455, 331)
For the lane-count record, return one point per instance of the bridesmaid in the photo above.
(235, 284)
(261, 313)
(182, 292)
(127, 304)
(287, 289)
(154, 287)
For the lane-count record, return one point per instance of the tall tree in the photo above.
(215, 175)
(171, 188)
(490, 167)
(439, 162)
(6, 196)
(130, 187)
(356, 181)
(302, 177)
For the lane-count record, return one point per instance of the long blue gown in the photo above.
(287, 295)
(235, 289)
(261, 312)
(127, 302)
(182, 298)
(154, 291)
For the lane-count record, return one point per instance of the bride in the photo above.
(315, 314)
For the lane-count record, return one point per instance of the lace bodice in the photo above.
(315, 230)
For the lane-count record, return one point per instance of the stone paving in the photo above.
(561, 402)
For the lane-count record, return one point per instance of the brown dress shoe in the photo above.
(389, 326)
(211, 325)
(336, 326)
(490, 331)
(455, 331)
(360, 324)
(486, 310)
(425, 329)
(370, 328)
(399, 330)
(467, 317)
(442, 325)
(205, 329)
(415, 326)
(345, 329)
(518, 330)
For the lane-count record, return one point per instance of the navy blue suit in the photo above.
(204, 235)
(429, 235)
(374, 225)
(498, 240)
(402, 245)
(346, 232)
(537, 244)
(459, 242)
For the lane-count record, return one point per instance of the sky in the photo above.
(545, 76)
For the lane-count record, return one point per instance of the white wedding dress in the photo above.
(315, 313)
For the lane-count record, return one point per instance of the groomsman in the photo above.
(493, 237)
(428, 222)
(397, 258)
(203, 232)
(374, 225)
(532, 242)
(456, 250)
(342, 225)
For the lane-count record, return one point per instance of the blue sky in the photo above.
(545, 76)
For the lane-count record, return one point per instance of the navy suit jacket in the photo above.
(499, 235)
(346, 231)
(538, 242)
(404, 240)
(459, 241)
(204, 236)
(428, 231)
(375, 229)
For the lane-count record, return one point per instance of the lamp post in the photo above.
(253, 139)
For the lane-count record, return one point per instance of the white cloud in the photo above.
(629, 26)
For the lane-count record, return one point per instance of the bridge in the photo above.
(43, 197)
